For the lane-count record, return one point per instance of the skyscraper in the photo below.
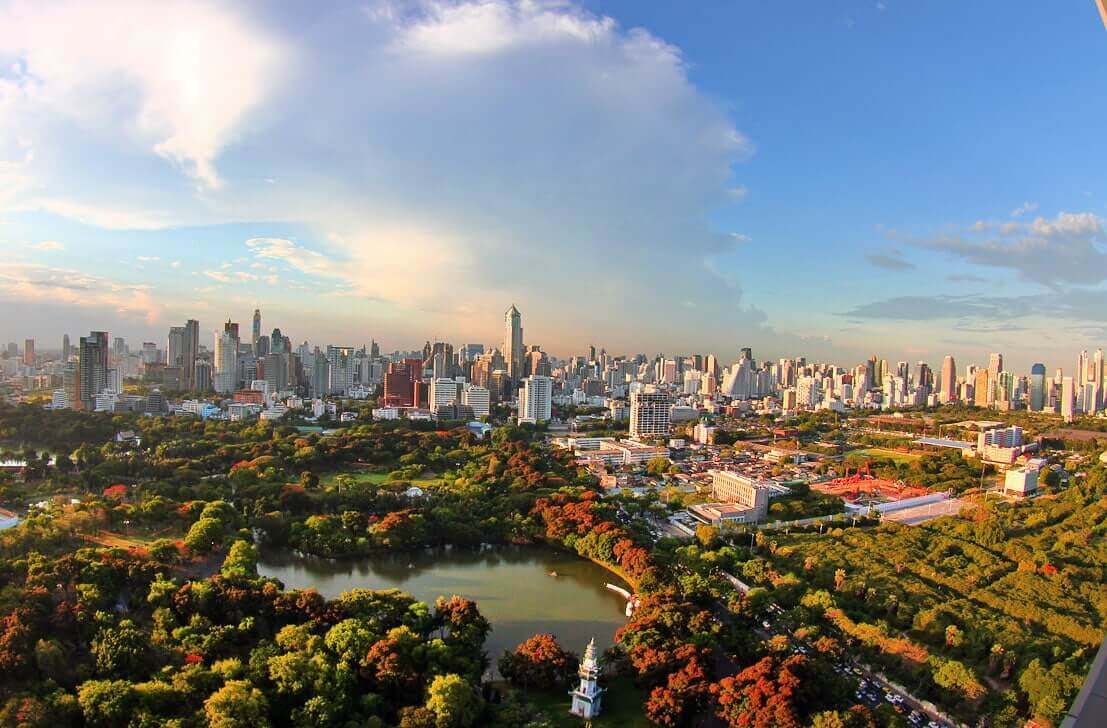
(92, 370)
(226, 359)
(1037, 387)
(29, 352)
(1068, 399)
(948, 381)
(513, 343)
(184, 346)
(256, 332)
(65, 347)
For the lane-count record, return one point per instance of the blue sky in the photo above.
(835, 179)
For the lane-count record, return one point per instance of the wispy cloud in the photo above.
(46, 245)
(891, 259)
(1065, 249)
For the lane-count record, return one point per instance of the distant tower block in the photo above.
(586, 698)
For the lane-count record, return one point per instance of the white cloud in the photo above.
(47, 245)
(41, 284)
(1024, 208)
(1065, 249)
(148, 258)
(550, 156)
(177, 77)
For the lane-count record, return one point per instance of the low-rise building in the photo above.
(1020, 482)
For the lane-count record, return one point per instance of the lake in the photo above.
(511, 585)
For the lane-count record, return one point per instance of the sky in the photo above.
(832, 179)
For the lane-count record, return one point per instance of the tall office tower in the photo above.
(184, 346)
(924, 378)
(995, 365)
(513, 343)
(948, 380)
(649, 414)
(29, 352)
(320, 374)
(1037, 387)
(1068, 399)
(591, 353)
(226, 359)
(65, 347)
(375, 349)
(256, 331)
(441, 360)
(982, 389)
(535, 399)
(118, 348)
(149, 352)
(92, 370)
(711, 365)
(903, 369)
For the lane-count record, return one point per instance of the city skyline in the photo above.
(668, 199)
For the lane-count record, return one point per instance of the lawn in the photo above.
(880, 452)
(366, 476)
(622, 706)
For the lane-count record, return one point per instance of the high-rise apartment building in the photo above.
(182, 349)
(1068, 399)
(225, 379)
(29, 352)
(649, 414)
(536, 399)
(92, 370)
(513, 343)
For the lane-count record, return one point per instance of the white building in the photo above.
(536, 400)
(649, 414)
(1020, 482)
(477, 399)
(443, 393)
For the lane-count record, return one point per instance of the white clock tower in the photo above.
(586, 698)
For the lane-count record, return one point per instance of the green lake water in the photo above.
(511, 585)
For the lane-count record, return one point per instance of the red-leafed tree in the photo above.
(539, 662)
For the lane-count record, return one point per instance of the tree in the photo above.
(1051, 690)
(106, 703)
(241, 563)
(238, 704)
(707, 535)
(204, 535)
(453, 701)
(539, 662)
(120, 651)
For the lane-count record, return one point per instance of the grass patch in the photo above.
(884, 453)
(361, 477)
(622, 706)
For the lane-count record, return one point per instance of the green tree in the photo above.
(238, 704)
(120, 651)
(241, 563)
(204, 535)
(453, 701)
(106, 703)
